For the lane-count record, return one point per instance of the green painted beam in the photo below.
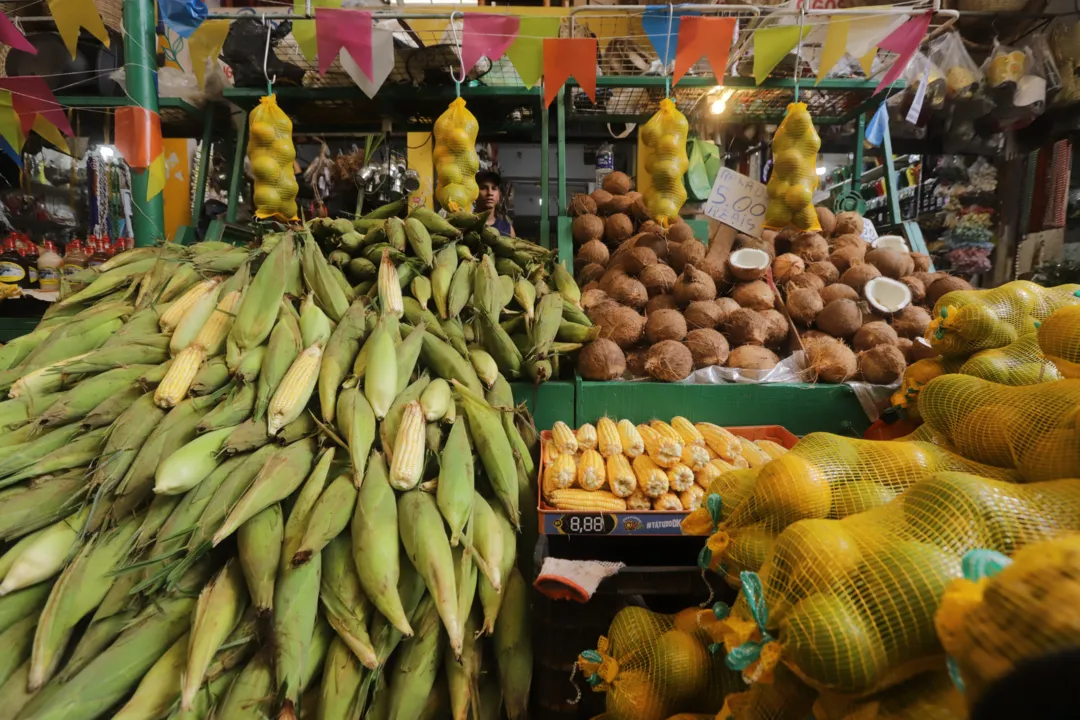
(140, 68)
(237, 175)
(545, 173)
(202, 170)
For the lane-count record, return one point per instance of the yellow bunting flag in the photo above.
(526, 53)
(834, 47)
(47, 130)
(205, 44)
(866, 62)
(10, 126)
(304, 30)
(772, 44)
(72, 16)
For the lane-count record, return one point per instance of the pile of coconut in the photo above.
(667, 304)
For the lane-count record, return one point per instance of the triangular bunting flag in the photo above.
(382, 51)
(303, 31)
(526, 53)
(47, 130)
(348, 29)
(183, 17)
(903, 41)
(205, 44)
(10, 152)
(486, 36)
(875, 129)
(565, 57)
(663, 26)
(31, 96)
(864, 33)
(10, 127)
(834, 47)
(772, 44)
(72, 16)
(699, 36)
(866, 62)
(10, 35)
(138, 136)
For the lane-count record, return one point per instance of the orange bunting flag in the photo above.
(708, 36)
(138, 140)
(565, 57)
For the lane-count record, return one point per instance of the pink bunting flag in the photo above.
(349, 29)
(30, 97)
(10, 35)
(486, 36)
(903, 41)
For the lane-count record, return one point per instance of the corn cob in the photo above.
(771, 448)
(319, 278)
(608, 441)
(564, 438)
(338, 357)
(587, 437)
(344, 603)
(328, 518)
(620, 476)
(560, 474)
(668, 502)
(436, 400)
(413, 677)
(491, 444)
(690, 435)
(639, 501)
(216, 328)
(258, 310)
(487, 541)
(389, 288)
(695, 457)
(590, 471)
(454, 495)
(251, 693)
(292, 395)
(407, 465)
(46, 555)
(340, 684)
(258, 543)
(706, 475)
(296, 606)
(380, 375)
(680, 477)
(191, 464)
(720, 441)
(171, 318)
(632, 442)
(654, 447)
(174, 387)
(220, 606)
(692, 498)
(670, 441)
(463, 680)
(652, 480)
(578, 499)
(189, 327)
(754, 456)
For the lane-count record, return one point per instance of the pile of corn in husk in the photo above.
(230, 484)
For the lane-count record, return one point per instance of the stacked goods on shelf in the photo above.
(215, 501)
(652, 666)
(616, 466)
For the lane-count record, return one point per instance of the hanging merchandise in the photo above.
(962, 75)
(794, 178)
(272, 154)
(666, 162)
(456, 161)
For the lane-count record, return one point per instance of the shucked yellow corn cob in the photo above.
(707, 474)
(178, 309)
(771, 448)
(695, 457)
(668, 502)
(216, 328)
(590, 471)
(671, 442)
(632, 443)
(720, 441)
(586, 437)
(692, 498)
(292, 395)
(607, 438)
(564, 438)
(680, 477)
(639, 501)
(559, 474)
(620, 476)
(654, 447)
(578, 499)
(689, 434)
(407, 467)
(176, 383)
(752, 453)
(550, 452)
(651, 478)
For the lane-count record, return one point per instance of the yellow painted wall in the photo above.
(177, 193)
(421, 146)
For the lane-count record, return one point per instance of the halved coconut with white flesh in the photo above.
(749, 263)
(886, 295)
(892, 242)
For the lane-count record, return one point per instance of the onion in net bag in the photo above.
(1035, 429)
(271, 152)
(1059, 339)
(1002, 613)
(664, 135)
(849, 605)
(966, 321)
(794, 176)
(456, 161)
(652, 666)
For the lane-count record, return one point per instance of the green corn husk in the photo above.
(441, 277)
(247, 436)
(407, 353)
(18, 349)
(487, 541)
(513, 646)
(14, 695)
(573, 313)
(434, 222)
(454, 494)
(46, 554)
(436, 400)
(251, 694)
(315, 325)
(388, 429)
(343, 601)
(212, 376)
(356, 421)
(250, 365)
(463, 679)
(209, 698)
(416, 315)
(34, 450)
(420, 287)
(501, 397)
(15, 606)
(491, 444)
(281, 351)
(259, 542)
(328, 519)
(453, 331)
(395, 233)
(413, 677)
(190, 464)
(321, 637)
(235, 409)
(258, 310)
(296, 604)
(132, 429)
(485, 288)
(79, 453)
(339, 355)
(175, 430)
(339, 690)
(225, 497)
(485, 366)
(43, 504)
(220, 606)
(565, 284)
(381, 372)
(150, 350)
(548, 318)
(107, 411)
(445, 362)
(490, 596)
(192, 322)
(572, 332)
(320, 279)
(17, 642)
(460, 289)
(160, 687)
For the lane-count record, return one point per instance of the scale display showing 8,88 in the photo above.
(645, 523)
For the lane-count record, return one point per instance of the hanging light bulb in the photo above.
(719, 105)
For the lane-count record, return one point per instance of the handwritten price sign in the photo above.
(738, 201)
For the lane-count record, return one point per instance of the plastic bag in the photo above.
(1035, 429)
(272, 154)
(931, 99)
(1005, 66)
(456, 161)
(966, 321)
(962, 75)
(931, 696)
(794, 175)
(652, 665)
(1059, 340)
(666, 162)
(849, 605)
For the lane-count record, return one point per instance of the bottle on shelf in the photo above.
(101, 252)
(31, 256)
(605, 162)
(74, 258)
(49, 267)
(12, 264)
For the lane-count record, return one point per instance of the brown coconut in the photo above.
(882, 364)
(840, 318)
(680, 232)
(851, 241)
(857, 276)
(905, 346)
(745, 241)
(665, 325)
(806, 280)
(638, 210)
(804, 304)
(693, 285)
(586, 227)
(654, 242)
(707, 346)
(620, 204)
(638, 259)
(602, 198)
(846, 258)
(836, 291)
(921, 261)
(681, 254)
(945, 285)
(752, 357)
(669, 361)
(715, 266)
(848, 223)
(874, 333)
(776, 327)
(703, 314)
(635, 362)
(915, 285)
(618, 323)
(617, 228)
(592, 297)
(589, 273)
(651, 226)
(617, 183)
(787, 266)
(612, 274)
(810, 247)
(593, 285)
(594, 252)
(928, 278)
(601, 359)
(826, 220)
(830, 360)
(658, 279)
(581, 204)
(783, 240)
(911, 322)
(756, 295)
(727, 306)
(665, 301)
(746, 327)
(922, 350)
(811, 335)
(824, 270)
(892, 263)
(628, 291)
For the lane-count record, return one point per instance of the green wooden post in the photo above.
(890, 178)
(236, 178)
(856, 162)
(204, 166)
(140, 66)
(561, 121)
(545, 180)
